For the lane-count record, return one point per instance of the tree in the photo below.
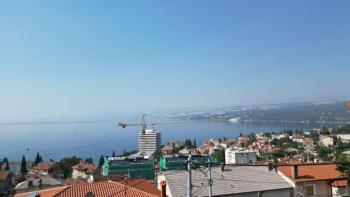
(219, 156)
(188, 143)
(314, 136)
(24, 169)
(89, 160)
(276, 154)
(323, 152)
(343, 165)
(101, 161)
(157, 155)
(38, 159)
(64, 166)
(251, 137)
(113, 154)
(5, 160)
(7, 167)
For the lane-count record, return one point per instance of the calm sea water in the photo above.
(91, 139)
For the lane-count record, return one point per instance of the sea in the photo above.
(84, 139)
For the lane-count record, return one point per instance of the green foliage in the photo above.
(267, 134)
(324, 152)
(342, 130)
(157, 155)
(251, 138)
(315, 136)
(89, 160)
(23, 169)
(219, 156)
(38, 159)
(343, 165)
(276, 154)
(340, 147)
(127, 153)
(7, 167)
(64, 166)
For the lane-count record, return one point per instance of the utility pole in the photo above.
(189, 180)
(210, 181)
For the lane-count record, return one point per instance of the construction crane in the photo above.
(142, 124)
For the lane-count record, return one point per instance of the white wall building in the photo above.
(326, 141)
(234, 156)
(149, 141)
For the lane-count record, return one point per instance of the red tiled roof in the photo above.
(341, 183)
(312, 172)
(142, 184)
(43, 193)
(102, 189)
(4, 175)
(42, 166)
(87, 167)
(167, 148)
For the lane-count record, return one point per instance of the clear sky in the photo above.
(63, 60)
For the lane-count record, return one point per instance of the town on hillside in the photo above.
(286, 163)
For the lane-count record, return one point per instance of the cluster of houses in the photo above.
(244, 150)
(240, 167)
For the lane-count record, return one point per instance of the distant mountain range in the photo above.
(319, 111)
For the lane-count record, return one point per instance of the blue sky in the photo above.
(63, 60)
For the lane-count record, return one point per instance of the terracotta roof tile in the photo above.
(102, 189)
(142, 184)
(341, 183)
(43, 193)
(312, 172)
(42, 166)
(87, 167)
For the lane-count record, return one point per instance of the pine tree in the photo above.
(24, 169)
(89, 160)
(38, 159)
(101, 161)
(113, 154)
(7, 168)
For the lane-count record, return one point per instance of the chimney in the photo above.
(295, 171)
(163, 188)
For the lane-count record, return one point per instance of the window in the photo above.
(310, 190)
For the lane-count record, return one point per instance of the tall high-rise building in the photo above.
(149, 141)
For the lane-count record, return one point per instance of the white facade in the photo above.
(233, 156)
(326, 141)
(344, 137)
(77, 174)
(149, 142)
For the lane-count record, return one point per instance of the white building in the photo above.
(326, 141)
(234, 156)
(149, 141)
(344, 137)
(83, 171)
